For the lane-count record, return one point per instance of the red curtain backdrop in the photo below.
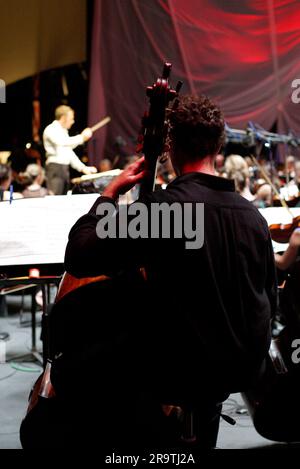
(243, 54)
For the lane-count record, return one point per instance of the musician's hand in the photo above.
(295, 238)
(86, 134)
(131, 176)
(89, 170)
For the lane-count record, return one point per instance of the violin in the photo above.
(281, 232)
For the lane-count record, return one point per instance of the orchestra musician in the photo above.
(288, 267)
(59, 150)
(296, 180)
(290, 167)
(236, 168)
(6, 184)
(285, 260)
(197, 329)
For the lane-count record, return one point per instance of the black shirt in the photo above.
(204, 316)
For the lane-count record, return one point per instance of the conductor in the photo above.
(59, 150)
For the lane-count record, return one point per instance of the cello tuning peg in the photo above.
(166, 70)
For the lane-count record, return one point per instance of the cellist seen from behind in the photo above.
(197, 329)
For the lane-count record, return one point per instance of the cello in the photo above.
(45, 410)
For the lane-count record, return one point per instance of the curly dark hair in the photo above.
(196, 127)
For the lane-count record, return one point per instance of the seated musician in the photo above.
(293, 187)
(236, 168)
(191, 349)
(288, 267)
(288, 258)
(219, 165)
(33, 178)
(263, 196)
(105, 165)
(290, 167)
(5, 183)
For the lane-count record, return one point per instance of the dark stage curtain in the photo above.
(244, 54)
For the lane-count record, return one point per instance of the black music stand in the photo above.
(33, 283)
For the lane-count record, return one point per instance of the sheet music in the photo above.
(35, 230)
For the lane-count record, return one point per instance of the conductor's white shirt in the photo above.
(59, 146)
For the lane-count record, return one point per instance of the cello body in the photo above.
(87, 317)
